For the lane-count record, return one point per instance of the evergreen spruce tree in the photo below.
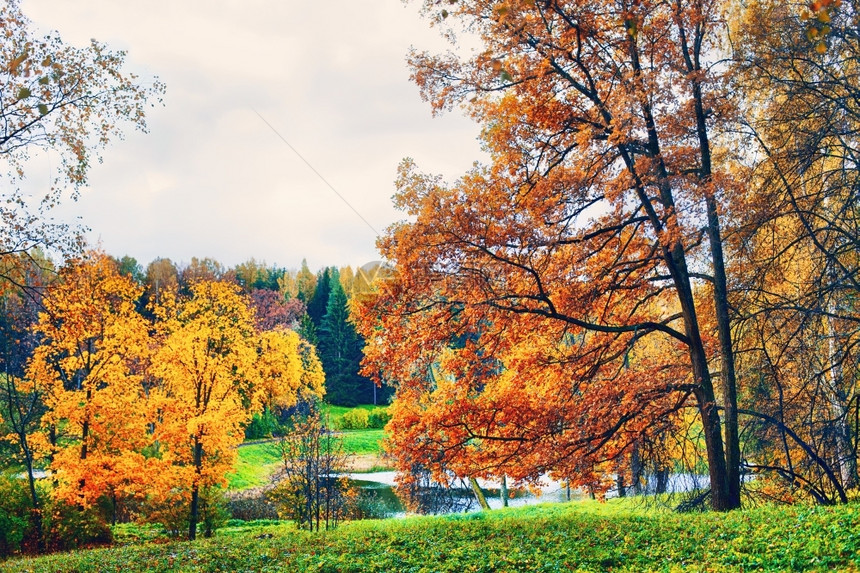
(318, 304)
(340, 348)
(307, 330)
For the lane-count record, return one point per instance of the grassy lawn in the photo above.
(580, 536)
(362, 441)
(257, 461)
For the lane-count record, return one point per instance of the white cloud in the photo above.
(211, 179)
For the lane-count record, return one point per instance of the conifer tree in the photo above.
(340, 347)
(318, 303)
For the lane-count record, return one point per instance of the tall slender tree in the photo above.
(340, 349)
(318, 304)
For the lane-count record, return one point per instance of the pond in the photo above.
(378, 493)
(379, 487)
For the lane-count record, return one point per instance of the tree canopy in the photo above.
(554, 309)
(71, 100)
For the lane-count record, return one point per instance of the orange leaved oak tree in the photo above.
(530, 294)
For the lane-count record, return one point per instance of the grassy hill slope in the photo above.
(582, 536)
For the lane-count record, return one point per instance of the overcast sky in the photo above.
(211, 179)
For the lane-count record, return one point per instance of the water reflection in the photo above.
(378, 489)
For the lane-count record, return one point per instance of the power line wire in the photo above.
(318, 174)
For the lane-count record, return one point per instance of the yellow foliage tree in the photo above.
(215, 371)
(206, 368)
(288, 367)
(90, 366)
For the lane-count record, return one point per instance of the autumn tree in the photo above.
(206, 368)
(70, 100)
(796, 64)
(271, 310)
(306, 283)
(214, 372)
(593, 230)
(162, 276)
(253, 274)
(289, 372)
(89, 366)
(207, 269)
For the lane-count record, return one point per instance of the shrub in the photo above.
(355, 419)
(15, 505)
(213, 511)
(71, 527)
(262, 425)
(250, 506)
(170, 509)
(378, 418)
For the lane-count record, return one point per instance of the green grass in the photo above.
(256, 462)
(254, 465)
(584, 536)
(362, 441)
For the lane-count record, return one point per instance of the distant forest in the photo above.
(314, 304)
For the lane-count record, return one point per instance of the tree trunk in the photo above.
(727, 356)
(721, 496)
(34, 495)
(504, 491)
(844, 452)
(661, 477)
(636, 469)
(731, 483)
(195, 490)
(479, 494)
